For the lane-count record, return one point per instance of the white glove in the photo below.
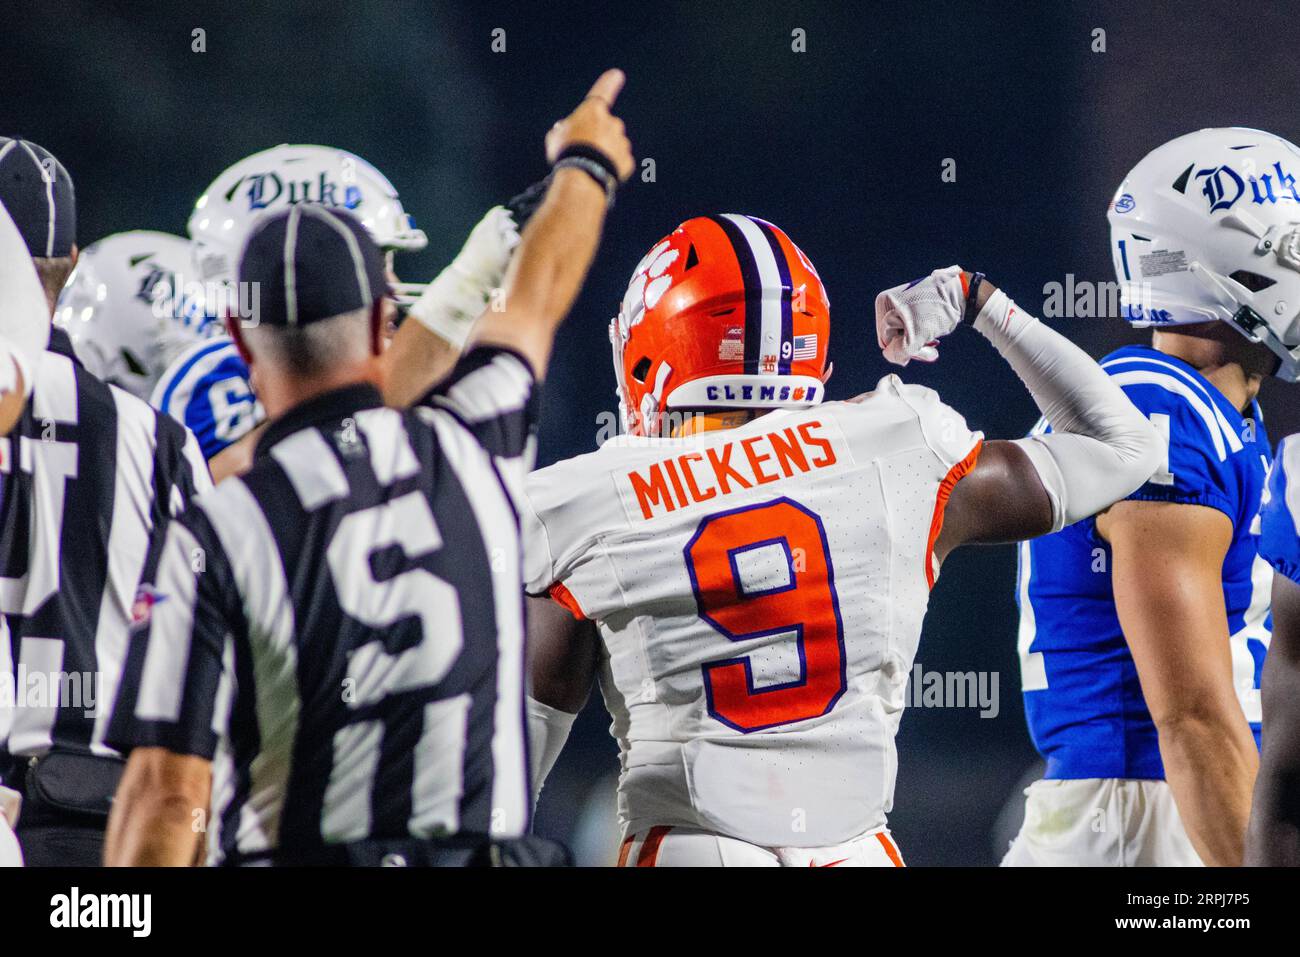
(451, 303)
(911, 319)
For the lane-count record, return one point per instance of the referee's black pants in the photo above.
(64, 814)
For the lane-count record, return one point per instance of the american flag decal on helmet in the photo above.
(805, 347)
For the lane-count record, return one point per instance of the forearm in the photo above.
(1101, 448)
(159, 800)
(428, 343)
(548, 730)
(1210, 764)
(151, 830)
(1273, 839)
(555, 251)
(416, 360)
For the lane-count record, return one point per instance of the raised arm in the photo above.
(426, 346)
(557, 246)
(1100, 449)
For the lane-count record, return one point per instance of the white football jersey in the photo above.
(760, 593)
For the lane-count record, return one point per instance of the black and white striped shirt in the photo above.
(341, 629)
(91, 477)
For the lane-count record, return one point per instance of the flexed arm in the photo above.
(1100, 449)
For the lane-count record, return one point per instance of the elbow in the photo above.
(1143, 452)
(1216, 724)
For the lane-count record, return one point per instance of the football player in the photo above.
(1274, 834)
(1143, 630)
(127, 311)
(759, 562)
(208, 386)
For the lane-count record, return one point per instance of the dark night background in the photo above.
(840, 145)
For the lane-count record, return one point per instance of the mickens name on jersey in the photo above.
(706, 473)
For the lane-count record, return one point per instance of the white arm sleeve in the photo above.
(548, 729)
(1101, 447)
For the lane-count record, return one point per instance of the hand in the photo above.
(593, 124)
(460, 293)
(911, 319)
(486, 253)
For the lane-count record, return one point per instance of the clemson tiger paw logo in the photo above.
(650, 280)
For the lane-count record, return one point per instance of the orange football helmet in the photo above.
(724, 313)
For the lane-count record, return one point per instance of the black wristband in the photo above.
(972, 293)
(592, 169)
(587, 151)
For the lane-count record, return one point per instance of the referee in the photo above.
(334, 670)
(91, 475)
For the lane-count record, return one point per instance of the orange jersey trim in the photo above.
(564, 598)
(949, 482)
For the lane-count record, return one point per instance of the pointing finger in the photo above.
(607, 87)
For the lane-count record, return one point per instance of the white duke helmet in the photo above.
(126, 311)
(285, 176)
(1207, 227)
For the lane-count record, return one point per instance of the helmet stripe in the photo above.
(753, 290)
(785, 353)
(763, 311)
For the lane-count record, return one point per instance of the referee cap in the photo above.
(37, 192)
(311, 262)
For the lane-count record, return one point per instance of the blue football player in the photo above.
(208, 386)
(1143, 630)
(1274, 837)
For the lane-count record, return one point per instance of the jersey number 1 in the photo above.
(766, 570)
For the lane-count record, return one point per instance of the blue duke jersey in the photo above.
(1279, 542)
(1083, 700)
(207, 390)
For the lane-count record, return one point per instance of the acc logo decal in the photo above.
(1125, 204)
(732, 346)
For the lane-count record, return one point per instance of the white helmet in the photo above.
(125, 309)
(1207, 227)
(284, 176)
